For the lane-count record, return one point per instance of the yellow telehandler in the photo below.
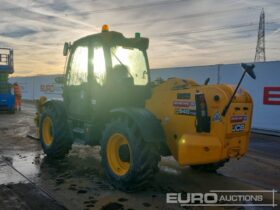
(109, 100)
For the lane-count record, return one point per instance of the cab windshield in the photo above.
(133, 59)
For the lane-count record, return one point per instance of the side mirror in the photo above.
(66, 48)
(249, 69)
(59, 80)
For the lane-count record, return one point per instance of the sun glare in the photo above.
(99, 67)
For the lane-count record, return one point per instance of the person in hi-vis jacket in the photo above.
(17, 92)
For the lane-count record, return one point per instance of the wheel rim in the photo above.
(115, 145)
(48, 131)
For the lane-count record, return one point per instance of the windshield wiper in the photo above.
(117, 59)
(121, 63)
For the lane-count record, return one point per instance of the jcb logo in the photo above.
(238, 128)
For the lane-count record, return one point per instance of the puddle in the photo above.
(169, 170)
(8, 175)
(21, 131)
(27, 163)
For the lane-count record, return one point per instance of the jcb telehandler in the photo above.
(109, 100)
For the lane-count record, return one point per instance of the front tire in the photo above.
(128, 161)
(54, 133)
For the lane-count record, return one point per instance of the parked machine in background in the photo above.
(7, 98)
(109, 100)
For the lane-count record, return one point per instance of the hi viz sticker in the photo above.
(183, 103)
(238, 119)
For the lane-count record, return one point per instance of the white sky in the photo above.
(181, 32)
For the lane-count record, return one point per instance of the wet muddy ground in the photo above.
(28, 180)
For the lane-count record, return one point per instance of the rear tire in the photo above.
(128, 161)
(210, 167)
(54, 133)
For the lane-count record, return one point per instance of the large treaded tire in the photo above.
(62, 141)
(144, 157)
(210, 167)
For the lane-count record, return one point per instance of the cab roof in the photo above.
(112, 38)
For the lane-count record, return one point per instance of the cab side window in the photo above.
(78, 71)
(99, 67)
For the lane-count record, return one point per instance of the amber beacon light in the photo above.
(105, 28)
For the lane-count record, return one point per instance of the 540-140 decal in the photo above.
(184, 107)
(189, 112)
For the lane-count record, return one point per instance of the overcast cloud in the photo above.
(181, 32)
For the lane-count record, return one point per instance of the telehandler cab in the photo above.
(109, 100)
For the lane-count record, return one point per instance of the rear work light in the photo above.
(202, 118)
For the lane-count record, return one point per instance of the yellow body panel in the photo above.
(173, 102)
(199, 149)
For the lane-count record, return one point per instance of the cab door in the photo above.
(76, 89)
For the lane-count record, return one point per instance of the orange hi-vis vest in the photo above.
(17, 90)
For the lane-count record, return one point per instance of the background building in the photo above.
(265, 90)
